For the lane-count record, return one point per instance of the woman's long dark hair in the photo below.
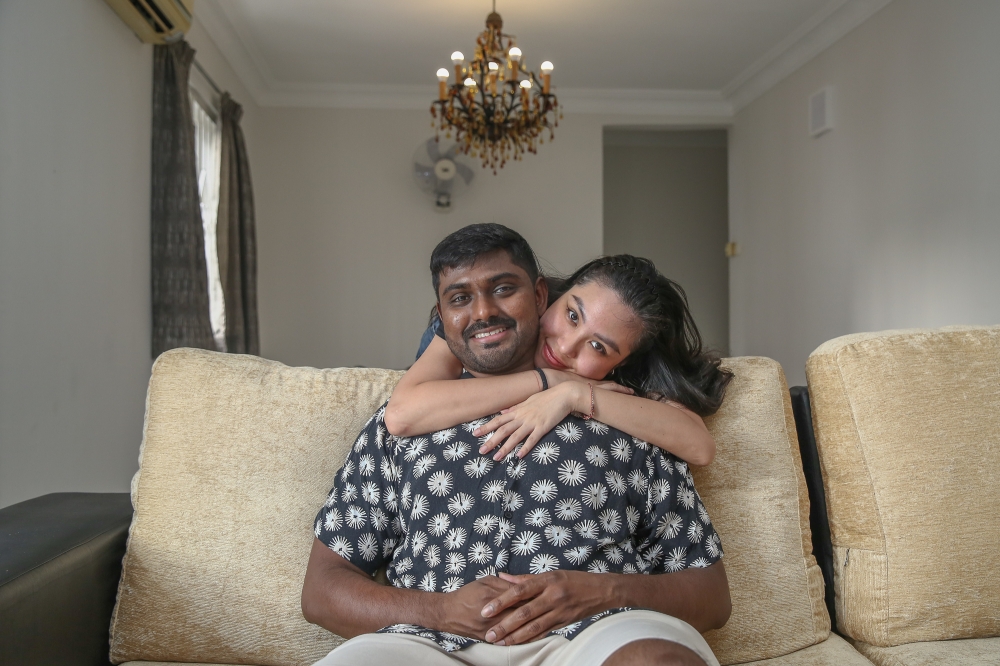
(668, 360)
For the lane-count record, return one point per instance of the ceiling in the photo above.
(709, 54)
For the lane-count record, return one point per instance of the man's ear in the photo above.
(437, 306)
(541, 295)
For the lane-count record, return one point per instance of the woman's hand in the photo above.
(532, 419)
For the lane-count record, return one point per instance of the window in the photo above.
(208, 156)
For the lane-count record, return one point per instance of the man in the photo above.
(519, 547)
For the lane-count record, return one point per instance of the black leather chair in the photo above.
(60, 561)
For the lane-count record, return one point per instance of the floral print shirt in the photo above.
(438, 515)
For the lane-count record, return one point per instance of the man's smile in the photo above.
(490, 333)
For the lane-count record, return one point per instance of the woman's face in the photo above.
(588, 331)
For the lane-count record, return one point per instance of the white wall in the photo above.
(345, 235)
(891, 219)
(75, 90)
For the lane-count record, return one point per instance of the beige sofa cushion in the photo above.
(238, 454)
(834, 651)
(965, 652)
(908, 429)
(756, 495)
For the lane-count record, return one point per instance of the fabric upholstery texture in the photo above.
(239, 453)
(964, 652)
(834, 651)
(908, 429)
(756, 494)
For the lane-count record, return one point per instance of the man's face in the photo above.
(490, 313)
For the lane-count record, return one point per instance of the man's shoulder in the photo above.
(576, 430)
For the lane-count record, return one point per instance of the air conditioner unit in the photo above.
(155, 21)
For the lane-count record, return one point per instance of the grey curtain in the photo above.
(237, 236)
(179, 276)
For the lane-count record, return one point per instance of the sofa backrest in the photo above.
(239, 453)
(908, 429)
(756, 495)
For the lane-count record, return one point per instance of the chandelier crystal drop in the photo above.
(497, 109)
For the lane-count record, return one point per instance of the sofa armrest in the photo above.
(60, 561)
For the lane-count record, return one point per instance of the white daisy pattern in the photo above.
(478, 467)
(525, 543)
(543, 562)
(572, 473)
(444, 436)
(439, 524)
(596, 456)
(558, 535)
(595, 495)
(544, 490)
(538, 517)
(437, 514)
(577, 555)
(423, 465)
(455, 538)
(615, 482)
(480, 552)
(450, 585)
(568, 432)
(568, 509)
(460, 504)
(440, 483)
(596, 427)
(485, 524)
(621, 449)
(356, 517)
(456, 451)
(545, 453)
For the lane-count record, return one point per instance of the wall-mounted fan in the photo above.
(441, 172)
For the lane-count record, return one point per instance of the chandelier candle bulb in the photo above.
(457, 59)
(546, 76)
(514, 54)
(442, 75)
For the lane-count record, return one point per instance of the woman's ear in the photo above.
(541, 295)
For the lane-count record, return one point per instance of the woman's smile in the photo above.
(551, 358)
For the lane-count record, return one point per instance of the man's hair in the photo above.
(461, 249)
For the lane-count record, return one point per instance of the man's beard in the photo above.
(492, 360)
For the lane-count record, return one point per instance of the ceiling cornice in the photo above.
(832, 22)
(822, 30)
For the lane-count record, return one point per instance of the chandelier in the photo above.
(496, 107)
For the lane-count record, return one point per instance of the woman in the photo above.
(617, 344)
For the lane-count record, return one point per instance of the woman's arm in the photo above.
(429, 398)
(666, 425)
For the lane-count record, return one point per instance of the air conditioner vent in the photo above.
(155, 21)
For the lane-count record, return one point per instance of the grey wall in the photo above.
(75, 88)
(891, 219)
(666, 199)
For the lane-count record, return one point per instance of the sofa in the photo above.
(239, 452)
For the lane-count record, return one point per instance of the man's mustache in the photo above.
(492, 322)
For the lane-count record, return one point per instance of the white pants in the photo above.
(591, 647)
